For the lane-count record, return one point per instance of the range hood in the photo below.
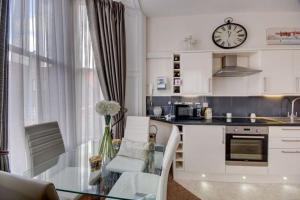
(230, 69)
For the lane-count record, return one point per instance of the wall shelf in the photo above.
(179, 155)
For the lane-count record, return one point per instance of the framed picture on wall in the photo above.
(283, 36)
(161, 82)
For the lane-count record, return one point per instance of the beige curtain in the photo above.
(107, 29)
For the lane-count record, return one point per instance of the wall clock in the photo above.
(229, 35)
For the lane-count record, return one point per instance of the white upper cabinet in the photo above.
(281, 71)
(278, 70)
(196, 73)
(296, 63)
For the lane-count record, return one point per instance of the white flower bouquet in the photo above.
(107, 109)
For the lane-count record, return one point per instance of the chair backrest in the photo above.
(167, 162)
(44, 143)
(137, 128)
(16, 187)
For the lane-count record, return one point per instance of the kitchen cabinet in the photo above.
(204, 149)
(296, 65)
(281, 71)
(196, 73)
(277, 66)
(284, 151)
(284, 161)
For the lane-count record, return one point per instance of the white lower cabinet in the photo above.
(284, 150)
(204, 148)
(284, 161)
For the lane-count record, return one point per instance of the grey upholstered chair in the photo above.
(44, 143)
(13, 187)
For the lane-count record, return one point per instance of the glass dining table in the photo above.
(71, 172)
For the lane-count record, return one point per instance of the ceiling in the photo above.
(164, 8)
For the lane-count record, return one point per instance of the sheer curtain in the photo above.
(42, 75)
(52, 73)
(88, 91)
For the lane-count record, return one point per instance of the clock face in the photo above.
(229, 35)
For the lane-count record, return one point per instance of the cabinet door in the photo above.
(204, 149)
(196, 73)
(278, 72)
(284, 161)
(296, 64)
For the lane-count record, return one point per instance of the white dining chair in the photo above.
(14, 187)
(44, 144)
(137, 128)
(137, 135)
(141, 185)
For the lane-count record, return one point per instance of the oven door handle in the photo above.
(249, 137)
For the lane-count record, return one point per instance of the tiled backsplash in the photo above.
(238, 106)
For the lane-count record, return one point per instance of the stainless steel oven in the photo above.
(247, 145)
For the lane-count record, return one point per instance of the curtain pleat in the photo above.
(4, 162)
(107, 28)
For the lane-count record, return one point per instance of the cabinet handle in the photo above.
(285, 140)
(290, 151)
(209, 85)
(290, 129)
(250, 137)
(265, 84)
(223, 138)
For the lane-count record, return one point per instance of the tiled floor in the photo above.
(241, 191)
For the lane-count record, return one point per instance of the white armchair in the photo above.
(136, 133)
(140, 185)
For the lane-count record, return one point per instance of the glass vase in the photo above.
(106, 150)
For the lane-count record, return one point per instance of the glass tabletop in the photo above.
(71, 171)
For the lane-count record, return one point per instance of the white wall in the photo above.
(168, 33)
(136, 61)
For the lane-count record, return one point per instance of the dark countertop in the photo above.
(234, 122)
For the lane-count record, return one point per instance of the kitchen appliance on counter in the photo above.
(247, 145)
(187, 112)
(208, 113)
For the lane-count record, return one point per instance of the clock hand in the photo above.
(229, 33)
